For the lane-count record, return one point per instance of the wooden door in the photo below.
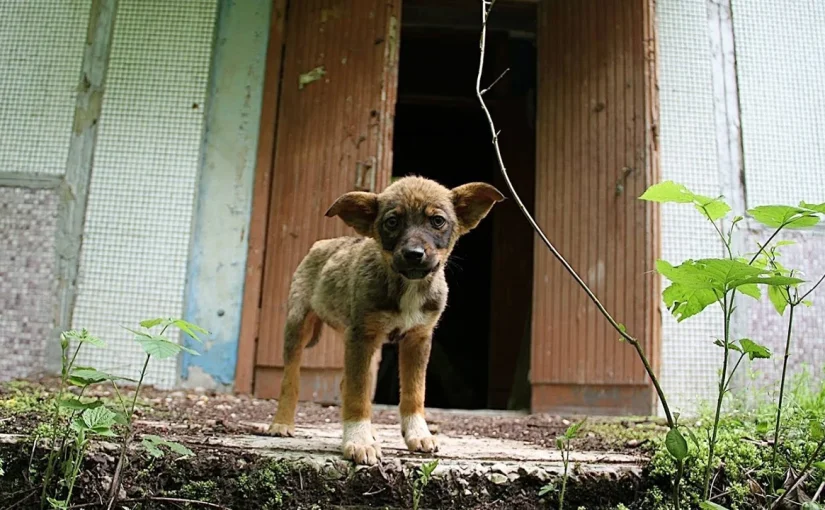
(596, 153)
(333, 135)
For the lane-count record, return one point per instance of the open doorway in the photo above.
(481, 347)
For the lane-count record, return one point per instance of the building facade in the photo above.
(175, 158)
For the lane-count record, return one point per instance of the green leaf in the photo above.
(623, 329)
(754, 350)
(151, 323)
(186, 452)
(98, 418)
(817, 430)
(560, 443)
(762, 427)
(710, 505)
(82, 336)
(768, 280)
(749, 289)
(151, 448)
(84, 376)
(152, 443)
(779, 298)
(819, 465)
(547, 489)
(696, 284)
(57, 503)
(711, 208)
(776, 216)
(162, 348)
(121, 418)
(820, 208)
(76, 404)
(810, 505)
(668, 191)
(779, 244)
(807, 302)
(573, 429)
(731, 345)
(676, 445)
(104, 431)
(189, 328)
(693, 438)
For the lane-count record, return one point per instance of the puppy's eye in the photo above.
(391, 222)
(438, 221)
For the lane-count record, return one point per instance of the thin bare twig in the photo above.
(495, 81)
(486, 7)
(158, 498)
(802, 474)
(811, 289)
(818, 492)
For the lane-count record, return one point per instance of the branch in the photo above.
(494, 82)
(485, 13)
(802, 474)
(157, 498)
(811, 289)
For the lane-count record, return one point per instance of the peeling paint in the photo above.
(311, 76)
(328, 14)
(216, 272)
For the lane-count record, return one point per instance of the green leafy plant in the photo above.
(161, 347)
(425, 473)
(75, 421)
(697, 284)
(563, 444)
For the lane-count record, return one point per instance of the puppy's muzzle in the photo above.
(413, 263)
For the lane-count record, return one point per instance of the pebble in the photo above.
(498, 478)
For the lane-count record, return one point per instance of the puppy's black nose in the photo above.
(414, 254)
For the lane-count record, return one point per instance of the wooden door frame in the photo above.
(636, 398)
(258, 222)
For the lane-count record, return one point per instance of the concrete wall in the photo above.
(41, 49)
(217, 264)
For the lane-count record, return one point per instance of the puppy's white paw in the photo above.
(417, 434)
(359, 444)
(281, 429)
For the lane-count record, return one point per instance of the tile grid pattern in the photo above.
(138, 223)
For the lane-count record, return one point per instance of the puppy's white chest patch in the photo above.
(412, 301)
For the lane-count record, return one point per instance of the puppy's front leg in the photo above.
(359, 444)
(413, 356)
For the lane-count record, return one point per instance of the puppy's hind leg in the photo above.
(301, 329)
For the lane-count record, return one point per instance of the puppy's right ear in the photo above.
(358, 209)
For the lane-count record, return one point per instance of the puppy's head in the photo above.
(416, 220)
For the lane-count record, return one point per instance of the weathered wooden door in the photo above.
(334, 134)
(596, 139)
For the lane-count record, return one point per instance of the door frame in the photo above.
(259, 217)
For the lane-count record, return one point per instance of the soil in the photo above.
(233, 478)
(211, 413)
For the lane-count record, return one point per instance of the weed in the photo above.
(425, 472)
(74, 420)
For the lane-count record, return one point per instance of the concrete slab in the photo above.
(319, 446)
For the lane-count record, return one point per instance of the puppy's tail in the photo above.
(301, 330)
(315, 333)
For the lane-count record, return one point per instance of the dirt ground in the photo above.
(234, 463)
(209, 413)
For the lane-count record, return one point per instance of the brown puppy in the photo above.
(386, 286)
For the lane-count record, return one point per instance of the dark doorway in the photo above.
(481, 346)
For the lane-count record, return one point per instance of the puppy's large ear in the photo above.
(358, 209)
(472, 202)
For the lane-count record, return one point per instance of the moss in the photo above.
(267, 484)
(201, 490)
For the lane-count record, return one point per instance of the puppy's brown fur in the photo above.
(387, 285)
